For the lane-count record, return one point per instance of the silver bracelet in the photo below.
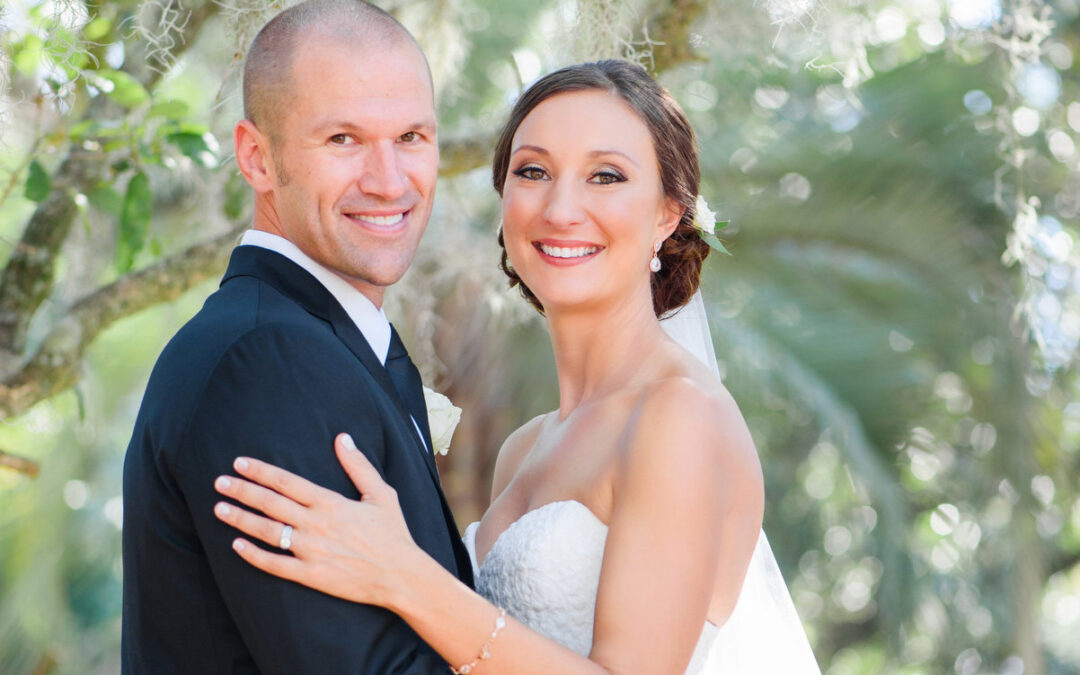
(485, 649)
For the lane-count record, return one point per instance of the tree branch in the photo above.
(56, 365)
(671, 25)
(461, 155)
(671, 39)
(28, 277)
(20, 464)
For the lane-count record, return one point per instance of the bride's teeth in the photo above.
(563, 252)
(382, 220)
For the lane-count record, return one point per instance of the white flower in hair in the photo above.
(704, 217)
(443, 418)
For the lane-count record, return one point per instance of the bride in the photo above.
(624, 533)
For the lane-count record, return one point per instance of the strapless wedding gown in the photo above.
(545, 571)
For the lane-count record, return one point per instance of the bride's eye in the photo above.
(607, 177)
(531, 172)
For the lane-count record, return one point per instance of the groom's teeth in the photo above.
(562, 252)
(381, 220)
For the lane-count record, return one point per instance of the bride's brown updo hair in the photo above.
(676, 152)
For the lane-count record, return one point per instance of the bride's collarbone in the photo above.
(573, 459)
(568, 462)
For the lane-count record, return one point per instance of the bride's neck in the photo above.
(601, 350)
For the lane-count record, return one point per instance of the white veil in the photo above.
(764, 634)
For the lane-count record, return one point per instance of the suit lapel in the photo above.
(295, 282)
(347, 331)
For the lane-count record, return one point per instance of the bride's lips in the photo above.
(564, 252)
(381, 223)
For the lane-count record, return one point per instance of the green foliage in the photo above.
(134, 219)
(919, 454)
(38, 183)
(199, 147)
(122, 88)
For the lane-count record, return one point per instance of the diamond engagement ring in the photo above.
(285, 543)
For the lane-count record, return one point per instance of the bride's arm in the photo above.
(680, 481)
(688, 502)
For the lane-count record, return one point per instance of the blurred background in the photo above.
(899, 321)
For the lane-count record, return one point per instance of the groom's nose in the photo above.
(381, 173)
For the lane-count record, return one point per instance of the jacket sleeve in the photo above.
(282, 396)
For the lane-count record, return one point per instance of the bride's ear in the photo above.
(670, 217)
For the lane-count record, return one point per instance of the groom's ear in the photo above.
(253, 156)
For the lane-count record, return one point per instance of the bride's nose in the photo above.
(565, 206)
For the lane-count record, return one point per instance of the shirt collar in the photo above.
(371, 320)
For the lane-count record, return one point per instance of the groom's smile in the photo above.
(353, 158)
(382, 224)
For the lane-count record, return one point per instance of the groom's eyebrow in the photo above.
(350, 126)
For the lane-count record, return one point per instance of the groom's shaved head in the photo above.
(268, 66)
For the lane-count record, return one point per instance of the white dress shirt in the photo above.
(371, 320)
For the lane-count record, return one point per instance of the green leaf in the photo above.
(171, 109)
(138, 207)
(38, 183)
(98, 28)
(125, 257)
(125, 90)
(107, 200)
(236, 196)
(714, 242)
(199, 147)
(27, 54)
(96, 129)
(181, 127)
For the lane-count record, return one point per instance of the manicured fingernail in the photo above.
(349, 443)
(241, 464)
(238, 544)
(223, 509)
(223, 483)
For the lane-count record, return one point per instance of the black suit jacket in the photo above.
(271, 367)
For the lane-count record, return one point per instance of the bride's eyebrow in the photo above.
(534, 148)
(593, 154)
(600, 153)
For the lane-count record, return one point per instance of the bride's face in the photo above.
(583, 202)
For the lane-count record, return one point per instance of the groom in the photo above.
(339, 144)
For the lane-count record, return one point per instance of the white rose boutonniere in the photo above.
(705, 223)
(704, 217)
(443, 418)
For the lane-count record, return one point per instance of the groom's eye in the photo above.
(339, 139)
(409, 137)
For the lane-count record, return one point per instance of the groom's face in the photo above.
(355, 157)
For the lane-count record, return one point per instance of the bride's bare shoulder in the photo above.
(513, 451)
(683, 422)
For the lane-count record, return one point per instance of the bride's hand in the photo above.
(350, 549)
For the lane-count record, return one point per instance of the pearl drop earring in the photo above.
(654, 264)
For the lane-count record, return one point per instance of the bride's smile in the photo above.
(623, 524)
(562, 252)
(583, 204)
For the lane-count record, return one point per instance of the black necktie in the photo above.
(406, 379)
